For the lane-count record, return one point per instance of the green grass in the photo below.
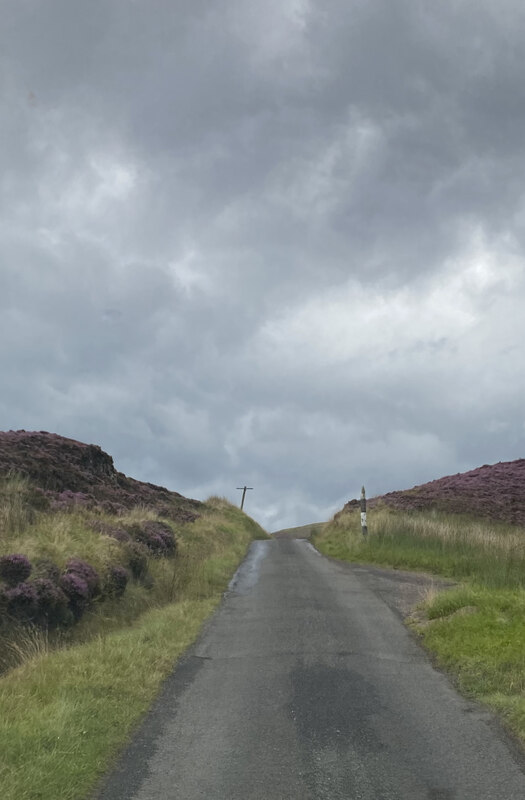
(484, 650)
(62, 716)
(67, 710)
(476, 631)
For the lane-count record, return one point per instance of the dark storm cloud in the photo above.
(278, 243)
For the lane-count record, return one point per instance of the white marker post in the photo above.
(364, 529)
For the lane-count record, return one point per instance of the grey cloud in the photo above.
(279, 243)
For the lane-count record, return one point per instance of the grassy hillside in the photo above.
(97, 601)
(301, 532)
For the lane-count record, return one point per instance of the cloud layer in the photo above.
(278, 244)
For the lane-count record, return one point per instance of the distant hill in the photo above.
(496, 491)
(302, 532)
(65, 473)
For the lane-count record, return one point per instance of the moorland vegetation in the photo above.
(470, 528)
(104, 582)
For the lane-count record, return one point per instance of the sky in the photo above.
(278, 244)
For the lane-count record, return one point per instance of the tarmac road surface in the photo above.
(306, 685)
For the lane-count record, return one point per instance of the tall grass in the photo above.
(454, 545)
(16, 512)
(21, 643)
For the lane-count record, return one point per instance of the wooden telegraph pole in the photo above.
(364, 529)
(244, 489)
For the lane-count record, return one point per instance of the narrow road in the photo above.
(306, 685)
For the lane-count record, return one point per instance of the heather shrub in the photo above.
(155, 543)
(116, 581)
(164, 532)
(75, 566)
(114, 531)
(38, 499)
(120, 535)
(116, 509)
(14, 569)
(21, 601)
(76, 590)
(68, 500)
(137, 555)
(140, 535)
(156, 536)
(52, 603)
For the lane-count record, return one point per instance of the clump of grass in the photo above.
(16, 511)
(20, 643)
(440, 605)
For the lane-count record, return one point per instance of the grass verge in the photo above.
(476, 631)
(65, 713)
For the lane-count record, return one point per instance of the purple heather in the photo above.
(14, 568)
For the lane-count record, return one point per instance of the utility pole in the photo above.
(364, 529)
(244, 489)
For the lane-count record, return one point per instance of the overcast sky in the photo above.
(272, 242)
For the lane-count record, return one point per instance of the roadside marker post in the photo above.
(244, 489)
(364, 529)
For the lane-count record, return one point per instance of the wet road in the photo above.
(306, 685)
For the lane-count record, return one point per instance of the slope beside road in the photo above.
(306, 685)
